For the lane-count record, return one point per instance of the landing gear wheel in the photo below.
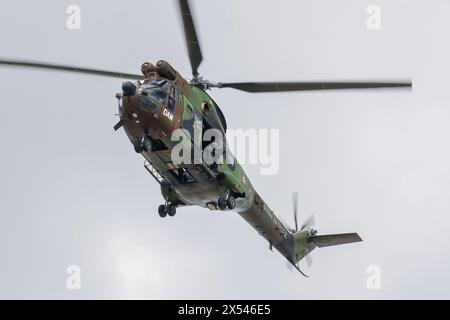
(138, 147)
(143, 145)
(162, 211)
(231, 202)
(222, 203)
(171, 210)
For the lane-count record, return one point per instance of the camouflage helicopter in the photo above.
(161, 101)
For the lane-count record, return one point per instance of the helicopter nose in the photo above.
(128, 88)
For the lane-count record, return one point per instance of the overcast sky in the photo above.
(73, 191)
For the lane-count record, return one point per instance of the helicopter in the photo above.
(158, 102)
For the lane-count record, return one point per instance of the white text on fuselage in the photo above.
(168, 114)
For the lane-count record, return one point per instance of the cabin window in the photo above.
(192, 120)
(198, 129)
(232, 165)
(205, 108)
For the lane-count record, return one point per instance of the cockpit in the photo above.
(158, 92)
(153, 94)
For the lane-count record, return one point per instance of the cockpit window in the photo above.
(147, 104)
(158, 94)
(156, 90)
(159, 82)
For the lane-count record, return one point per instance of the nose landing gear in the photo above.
(167, 209)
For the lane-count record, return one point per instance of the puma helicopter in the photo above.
(160, 101)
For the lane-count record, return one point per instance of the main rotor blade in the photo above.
(306, 86)
(309, 260)
(193, 46)
(67, 68)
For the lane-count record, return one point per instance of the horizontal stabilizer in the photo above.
(334, 239)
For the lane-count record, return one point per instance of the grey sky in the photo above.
(73, 191)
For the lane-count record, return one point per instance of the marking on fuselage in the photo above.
(168, 114)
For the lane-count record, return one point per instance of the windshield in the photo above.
(158, 93)
(152, 94)
(157, 89)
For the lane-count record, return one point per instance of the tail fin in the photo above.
(334, 239)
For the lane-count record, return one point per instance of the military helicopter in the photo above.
(161, 101)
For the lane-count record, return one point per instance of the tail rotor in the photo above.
(308, 224)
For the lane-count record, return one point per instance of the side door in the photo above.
(174, 107)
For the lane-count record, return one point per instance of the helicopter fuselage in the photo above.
(151, 111)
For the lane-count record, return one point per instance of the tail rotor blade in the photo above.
(309, 260)
(309, 223)
(295, 204)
